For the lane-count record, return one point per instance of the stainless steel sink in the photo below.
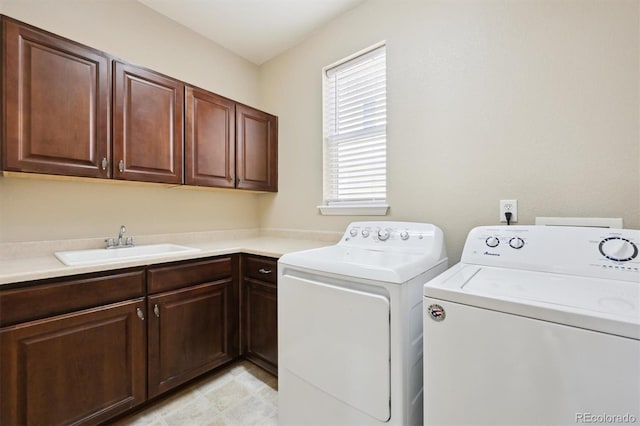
(98, 256)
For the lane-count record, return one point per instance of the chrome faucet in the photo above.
(123, 229)
(111, 242)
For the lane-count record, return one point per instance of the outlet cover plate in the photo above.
(508, 206)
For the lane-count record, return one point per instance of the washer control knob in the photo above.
(618, 249)
(383, 235)
(353, 232)
(516, 243)
(365, 233)
(404, 235)
(492, 241)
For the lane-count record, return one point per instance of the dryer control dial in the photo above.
(353, 232)
(618, 249)
(516, 243)
(365, 233)
(492, 242)
(383, 235)
(404, 235)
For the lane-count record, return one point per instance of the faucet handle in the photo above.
(111, 242)
(129, 242)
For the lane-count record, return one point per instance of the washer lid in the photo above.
(378, 265)
(597, 304)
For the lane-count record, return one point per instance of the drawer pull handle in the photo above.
(140, 313)
(156, 310)
(264, 271)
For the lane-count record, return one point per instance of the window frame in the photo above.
(351, 207)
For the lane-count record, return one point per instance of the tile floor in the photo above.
(241, 394)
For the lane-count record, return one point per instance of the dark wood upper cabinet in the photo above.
(148, 113)
(68, 109)
(210, 156)
(56, 104)
(257, 149)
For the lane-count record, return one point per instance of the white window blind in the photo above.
(355, 124)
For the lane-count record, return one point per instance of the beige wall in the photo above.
(37, 209)
(487, 99)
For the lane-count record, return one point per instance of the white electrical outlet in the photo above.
(509, 206)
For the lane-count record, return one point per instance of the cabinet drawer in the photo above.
(45, 298)
(261, 268)
(174, 276)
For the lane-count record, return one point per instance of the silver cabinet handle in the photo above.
(104, 163)
(121, 166)
(140, 313)
(156, 310)
(264, 271)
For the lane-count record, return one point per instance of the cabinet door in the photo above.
(259, 342)
(56, 104)
(147, 125)
(210, 139)
(257, 149)
(77, 368)
(261, 323)
(191, 331)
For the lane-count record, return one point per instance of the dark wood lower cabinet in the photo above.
(260, 312)
(262, 324)
(80, 368)
(87, 348)
(190, 332)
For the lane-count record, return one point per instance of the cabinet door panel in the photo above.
(190, 332)
(210, 139)
(257, 149)
(147, 122)
(77, 368)
(56, 104)
(261, 324)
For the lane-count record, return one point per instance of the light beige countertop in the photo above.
(29, 261)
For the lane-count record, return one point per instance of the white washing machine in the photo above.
(536, 326)
(350, 326)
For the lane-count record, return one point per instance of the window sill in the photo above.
(362, 210)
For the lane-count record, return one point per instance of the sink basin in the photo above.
(86, 257)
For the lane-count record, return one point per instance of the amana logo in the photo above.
(486, 253)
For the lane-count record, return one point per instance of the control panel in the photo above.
(383, 235)
(598, 252)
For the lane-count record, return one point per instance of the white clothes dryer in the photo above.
(350, 326)
(535, 326)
